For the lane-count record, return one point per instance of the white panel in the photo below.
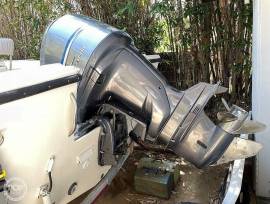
(19, 78)
(261, 91)
(24, 64)
(37, 127)
(6, 46)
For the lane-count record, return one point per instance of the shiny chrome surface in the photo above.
(70, 41)
(115, 73)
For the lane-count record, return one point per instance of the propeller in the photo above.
(236, 117)
(240, 149)
(250, 127)
(226, 117)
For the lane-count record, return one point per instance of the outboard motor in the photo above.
(115, 73)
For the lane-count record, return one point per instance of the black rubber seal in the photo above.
(20, 93)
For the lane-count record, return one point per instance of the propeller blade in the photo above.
(240, 149)
(226, 117)
(250, 126)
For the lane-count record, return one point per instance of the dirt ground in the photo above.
(194, 186)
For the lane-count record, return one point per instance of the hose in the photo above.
(50, 182)
(148, 147)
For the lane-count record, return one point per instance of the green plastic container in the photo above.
(154, 182)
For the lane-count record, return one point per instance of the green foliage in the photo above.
(204, 40)
(25, 21)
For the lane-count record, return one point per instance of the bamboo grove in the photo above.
(198, 40)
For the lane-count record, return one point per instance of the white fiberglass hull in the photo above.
(36, 128)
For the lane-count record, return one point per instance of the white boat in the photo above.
(68, 125)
